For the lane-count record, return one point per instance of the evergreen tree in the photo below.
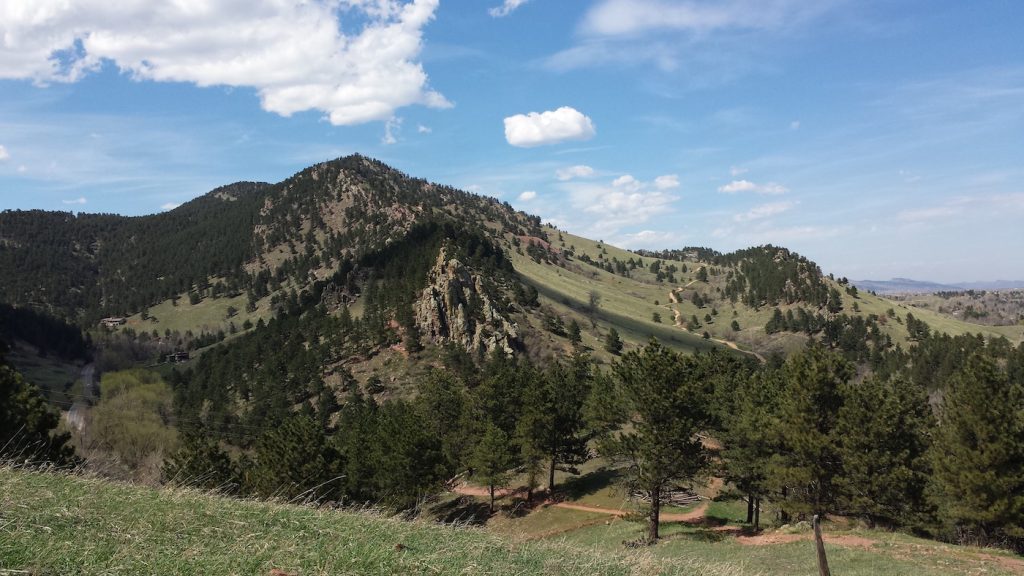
(884, 428)
(491, 460)
(665, 404)
(804, 470)
(749, 436)
(978, 454)
(612, 342)
(294, 460)
(575, 337)
(552, 420)
(27, 424)
(200, 462)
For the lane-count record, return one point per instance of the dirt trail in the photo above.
(691, 516)
(678, 319)
(481, 492)
(844, 540)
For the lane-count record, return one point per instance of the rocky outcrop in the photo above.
(455, 307)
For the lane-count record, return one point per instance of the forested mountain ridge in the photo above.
(327, 233)
(241, 237)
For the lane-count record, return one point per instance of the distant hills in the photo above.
(906, 285)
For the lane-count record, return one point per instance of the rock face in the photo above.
(455, 307)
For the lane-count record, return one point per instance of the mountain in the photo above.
(410, 267)
(993, 285)
(904, 285)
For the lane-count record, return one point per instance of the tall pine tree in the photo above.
(978, 454)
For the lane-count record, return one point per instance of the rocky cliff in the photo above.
(455, 307)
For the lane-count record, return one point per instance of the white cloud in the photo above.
(170, 206)
(527, 196)
(738, 171)
(506, 8)
(578, 171)
(4, 154)
(22, 169)
(632, 17)
(764, 211)
(794, 125)
(624, 202)
(666, 182)
(537, 129)
(294, 54)
(79, 200)
(627, 182)
(420, 128)
(649, 239)
(391, 129)
(737, 186)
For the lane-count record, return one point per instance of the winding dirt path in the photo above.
(481, 492)
(678, 319)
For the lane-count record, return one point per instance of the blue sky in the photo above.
(879, 138)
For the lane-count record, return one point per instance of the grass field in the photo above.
(61, 524)
(58, 524)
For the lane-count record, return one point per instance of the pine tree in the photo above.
(665, 404)
(575, 336)
(552, 420)
(200, 462)
(884, 428)
(804, 470)
(27, 424)
(749, 436)
(491, 460)
(294, 460)
(978, 454)
(612, 342)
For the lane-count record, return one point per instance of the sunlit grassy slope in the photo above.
(57, 524)
(60, 524)
(627, 304)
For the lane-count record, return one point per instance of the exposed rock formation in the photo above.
(455, 307)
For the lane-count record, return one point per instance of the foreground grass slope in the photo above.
(60, 524)
(57, 524)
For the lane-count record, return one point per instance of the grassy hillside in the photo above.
(54, 524)
(59, 524)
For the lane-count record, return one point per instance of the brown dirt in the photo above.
(844, 540)
(481, 491)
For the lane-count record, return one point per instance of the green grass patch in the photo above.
(58, 524)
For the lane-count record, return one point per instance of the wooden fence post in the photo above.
(822, 561)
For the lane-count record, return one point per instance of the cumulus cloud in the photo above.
(627, 182)
(649, 239)
(578, 171)
(527, 196)
(506, 8)
(4, 154)
(79, 200)
(624, 202)
(353, 60)
(170, 206)
(666, 182)
(551, 127)
(764, 211)
(420, 128)
(737, 186)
